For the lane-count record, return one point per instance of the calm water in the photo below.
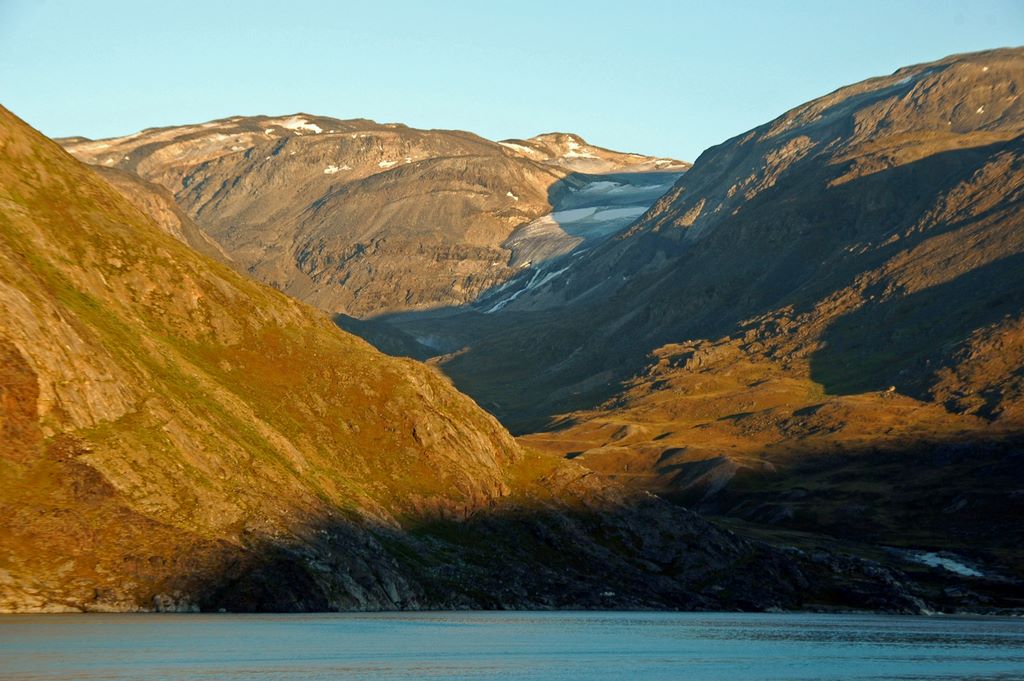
(509, 646)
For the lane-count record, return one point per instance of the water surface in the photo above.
(509, 646)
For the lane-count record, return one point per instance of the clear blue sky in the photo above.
(668, 78)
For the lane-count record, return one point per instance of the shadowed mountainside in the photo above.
(844, 279)
(873, 193)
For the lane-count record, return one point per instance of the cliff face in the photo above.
(177, 436)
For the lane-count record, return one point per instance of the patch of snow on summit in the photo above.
(576, 150)
(520, 148)
(299, 123)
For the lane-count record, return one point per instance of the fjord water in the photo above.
(509, 646)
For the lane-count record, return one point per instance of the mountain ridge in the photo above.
(647, 263)
(361, 218)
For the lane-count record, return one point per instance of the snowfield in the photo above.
(547, 247)
(944, 561)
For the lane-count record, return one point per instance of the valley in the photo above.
(299, 363)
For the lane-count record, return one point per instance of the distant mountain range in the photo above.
(814, 336)
(361, 218)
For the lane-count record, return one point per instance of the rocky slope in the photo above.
(830, 304)
(177, 436)
(361, 218)
(158, 204)
(870, 234)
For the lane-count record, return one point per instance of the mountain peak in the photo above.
(572, 152)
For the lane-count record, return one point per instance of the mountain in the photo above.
(890, 190)
(177, 436)
(573, 153)
(820, 327)
(360, 218)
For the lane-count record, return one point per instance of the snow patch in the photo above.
(944, 561)
(387, 164)
(618, 213)
(602, 186)
(520, 148)
(981, 109)
(576, 150)
(619, 189)
(598, 213)
(299, 123)
(537, 280)
(331, 169)
(512, 196)
(548, 277)
(578, 154)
